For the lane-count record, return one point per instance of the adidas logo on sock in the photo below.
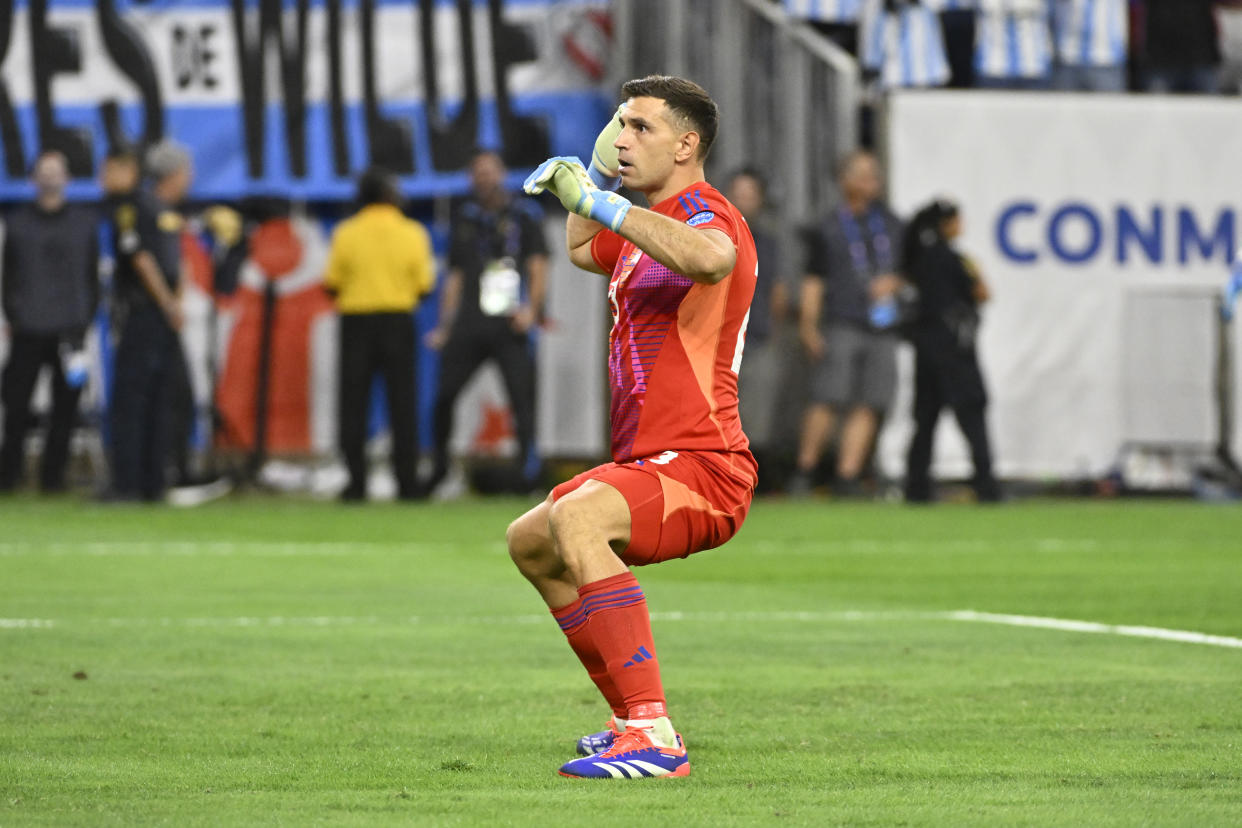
(638, 657)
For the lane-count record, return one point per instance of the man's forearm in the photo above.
(580, 231)
(701, 255)
(537, 267)
(450, 299)
(153, 279)
(812, 296)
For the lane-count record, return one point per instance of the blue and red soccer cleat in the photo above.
(632, 756)
(594, 743)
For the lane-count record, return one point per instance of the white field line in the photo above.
(846, 616)
(1067, 625)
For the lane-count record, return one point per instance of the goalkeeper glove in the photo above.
(566, 178)
(605, 169)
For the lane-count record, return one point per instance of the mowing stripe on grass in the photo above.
(845, 616)
(257, 549)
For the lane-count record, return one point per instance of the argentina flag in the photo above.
(906, 46)
(1012, 39)
(825, 11)
(1091, 32)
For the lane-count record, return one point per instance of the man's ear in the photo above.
(687, 146)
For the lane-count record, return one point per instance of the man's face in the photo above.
(861, 179)
(487, 175)
(119, 175)
(179, 183)
(51, 174)
(746, 195)
(648, 144)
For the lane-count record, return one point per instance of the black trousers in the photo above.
(947, 378)
(465, 353)
(382, 343)
(148, 362)
(28, 355)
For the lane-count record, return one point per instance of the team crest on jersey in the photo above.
(700, 218)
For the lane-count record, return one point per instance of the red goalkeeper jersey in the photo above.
(676, 345)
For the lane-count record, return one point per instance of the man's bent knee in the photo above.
(589, 524)
(530, 541)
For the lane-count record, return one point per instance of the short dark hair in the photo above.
(122, 152)
(484, 152)
(685, 99)
(377, 185)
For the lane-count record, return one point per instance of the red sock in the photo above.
(573, 621)
(620, 628)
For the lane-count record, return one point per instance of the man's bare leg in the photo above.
(534, 553)
(588, 527)
(857, 435)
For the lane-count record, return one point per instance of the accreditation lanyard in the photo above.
(507, 228)
(881, 243)
(500, 282)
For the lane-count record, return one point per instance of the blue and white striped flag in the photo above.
(950, 5)
(1092, 32)
(825, 11)
(1013, 39)
(906, 47)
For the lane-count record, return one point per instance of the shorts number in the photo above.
(665, 458)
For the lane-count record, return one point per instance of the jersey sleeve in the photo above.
(606, 249)
(814, 253)
(533, 241)
(704, 209)
(459, 245)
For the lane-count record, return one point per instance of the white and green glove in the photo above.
(566, 178)
(605, 169)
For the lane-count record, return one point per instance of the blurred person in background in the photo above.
(146, 230)
(1229, 20)
(1181, 48)
(761, 375)
(1013, 44)
(947, 371)
(380, 267)
(492, 301)
(1092, 44)
(120, 175)
(957, 22)
(50, 291)
(851, 263)
(835, 19)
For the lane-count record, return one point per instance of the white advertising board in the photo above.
(1103, 224)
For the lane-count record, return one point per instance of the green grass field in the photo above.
(281, 662)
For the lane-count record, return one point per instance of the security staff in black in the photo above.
(943, 333)
(147, 235)
(493, 297)
(50, 291)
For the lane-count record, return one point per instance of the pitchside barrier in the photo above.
(1106, 226)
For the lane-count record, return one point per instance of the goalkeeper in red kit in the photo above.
(681, 277)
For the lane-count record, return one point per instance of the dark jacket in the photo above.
(51, 266)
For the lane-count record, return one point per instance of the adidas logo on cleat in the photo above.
(632, 756)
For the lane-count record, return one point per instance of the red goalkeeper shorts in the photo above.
(681, 502)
